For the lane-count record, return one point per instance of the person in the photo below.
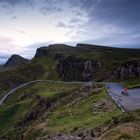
(125, 91)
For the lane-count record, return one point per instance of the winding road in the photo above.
(31, 82)
(126, 103)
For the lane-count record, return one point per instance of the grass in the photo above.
(48, 65)
(127, 126)
(65, 117)
(126, 131)
(10, 114)
(50, 89)
(60, 119)
(68, 118)
(38, 68)
(45, 67)
(44, 89)
(18, 104)
(132, 83)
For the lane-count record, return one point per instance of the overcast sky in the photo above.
(28, 24)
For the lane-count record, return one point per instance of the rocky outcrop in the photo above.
(103, 106)
(15, 60)
(75, 64)
(125, 71)
(41, 52)
(45, 52)
(55, 50)
(72, 68)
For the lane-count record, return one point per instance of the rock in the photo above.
(58, 56)
(53, 50)
(72, 68)
(97, 107)
(125, 71)
(41, 52)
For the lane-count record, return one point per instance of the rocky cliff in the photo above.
(54, 50)
(125, 71)
(72, 68)
(89, 62)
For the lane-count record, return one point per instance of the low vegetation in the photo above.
(18, 104)
(132, 83)
(72, 113)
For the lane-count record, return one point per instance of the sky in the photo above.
(28, 24)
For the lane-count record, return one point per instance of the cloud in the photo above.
(75, 20)
(46, 10)
(120, 13)
(14, 17)
(61, 24)
(5, 39)
(109, 21)
(104, 22)
(17, 2)
(22, 31)
(7, 46)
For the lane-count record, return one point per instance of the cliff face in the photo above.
(77, 63)
(72, 68)
(41, 52)
(89, 62)
(125, 71)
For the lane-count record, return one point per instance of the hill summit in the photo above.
(15, 60)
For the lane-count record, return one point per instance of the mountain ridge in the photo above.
(84, 62)
(15, 60)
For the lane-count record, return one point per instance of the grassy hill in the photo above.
(50, 110)
(46, 110)
(56, 107)
(18, 105)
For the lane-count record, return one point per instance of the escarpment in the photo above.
(72, 68)
(125, 71)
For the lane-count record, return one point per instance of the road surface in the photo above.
(128, 103)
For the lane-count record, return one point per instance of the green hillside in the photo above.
(60, 107)
(46, 66)
(45, 110)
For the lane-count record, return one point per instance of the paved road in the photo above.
(128, 103)
(28, 83)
